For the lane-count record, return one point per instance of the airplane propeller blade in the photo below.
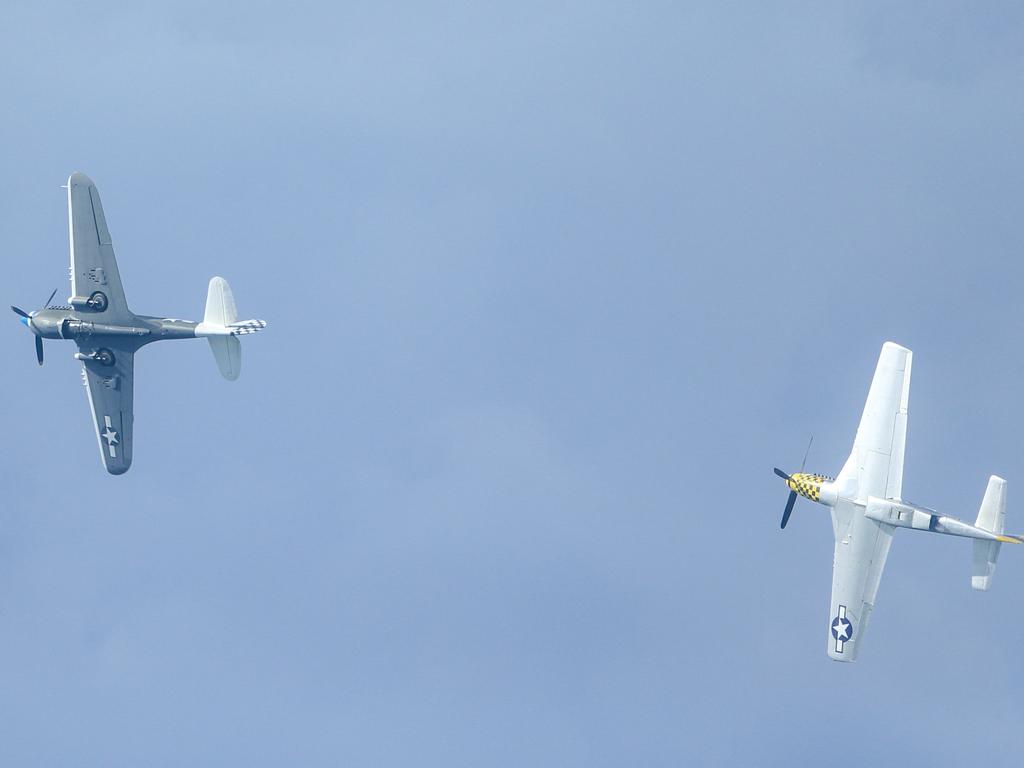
(782, 474)
(27, 319)
(802, 463)
(789, 508)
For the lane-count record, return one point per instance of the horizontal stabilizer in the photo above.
(227, 350)
(992, 518)
(245, 327)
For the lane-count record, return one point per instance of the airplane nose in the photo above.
(24, 321)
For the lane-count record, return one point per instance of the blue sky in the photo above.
(551, 288)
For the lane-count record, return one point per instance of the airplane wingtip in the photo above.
(79, 179)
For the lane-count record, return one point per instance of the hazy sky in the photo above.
(551, 288)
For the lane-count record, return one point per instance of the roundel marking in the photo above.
(842, 629)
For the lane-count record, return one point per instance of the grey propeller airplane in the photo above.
(108, 333)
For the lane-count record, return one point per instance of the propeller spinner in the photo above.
(26, 319)
(789, 480)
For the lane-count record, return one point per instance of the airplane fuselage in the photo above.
(64, 323)
(823, 490)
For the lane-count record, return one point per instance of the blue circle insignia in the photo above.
(842, 629)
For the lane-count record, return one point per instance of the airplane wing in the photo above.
(93, 266)
(875, 467)
(862, 546)
(110, 396)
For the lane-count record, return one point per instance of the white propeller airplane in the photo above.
(867, 507)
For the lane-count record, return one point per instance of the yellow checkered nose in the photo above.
(807, 485)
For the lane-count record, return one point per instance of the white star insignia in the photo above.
(109, 435)
(842, 629)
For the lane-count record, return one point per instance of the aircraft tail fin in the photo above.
(221, 327)
(220, 303)
(992, 518)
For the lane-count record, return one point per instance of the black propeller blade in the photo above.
(28, 321)
(782, 474)
(789, 508)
